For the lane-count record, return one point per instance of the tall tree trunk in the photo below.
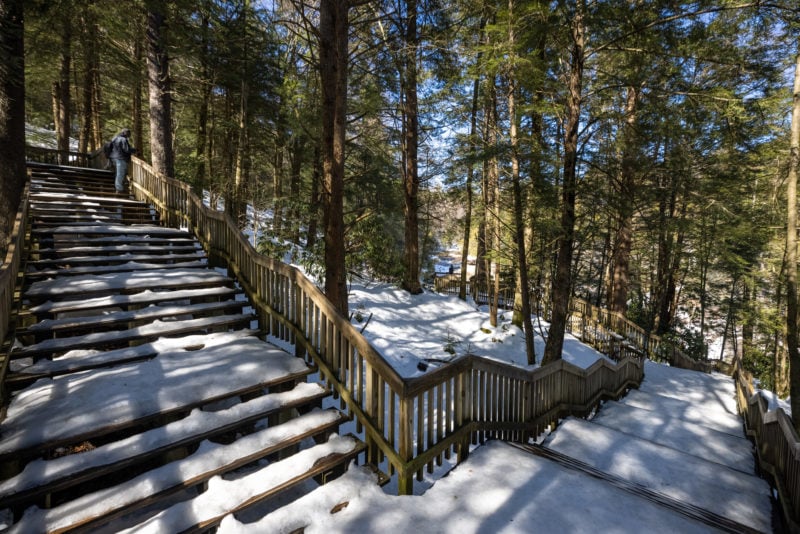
(491, 201)
(238, 200)
(88, 138)
(159, 91)
(277, 186)
(473, 149)
(316, 182)
(62, 106)
(562, 283)
(411, 281)
(626, 199)
(522, 317)
(12, 115)
(136, 92)
(791, 249)
(333, 55)
(205, 99)
(296, 166)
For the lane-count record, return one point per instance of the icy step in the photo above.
(209, 461)
(157, 328)
(72, 408)
(191, 263)
(46, 476)
(724, 491)
(225, 497)
(691, 438)
(694, 413)
(150, 313)
(103, 284)
(143, 298)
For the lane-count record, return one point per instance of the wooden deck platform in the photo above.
(140, 386)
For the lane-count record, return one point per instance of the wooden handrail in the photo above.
(777, 443)
(9, 271)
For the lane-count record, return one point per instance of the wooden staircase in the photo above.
(141, 392)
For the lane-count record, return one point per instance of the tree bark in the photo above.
(522, 317)
(562, 283)
(791, 249)
(333, 55)
(62, 107)
(626, 196)
(12, 115)
(160, 97)
(473, 148)
(411, 281)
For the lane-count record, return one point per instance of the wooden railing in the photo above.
(409, 424)
(777, 443)
(9, 271)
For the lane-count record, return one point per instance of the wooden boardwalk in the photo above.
(139, 383)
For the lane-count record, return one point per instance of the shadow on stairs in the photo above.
(141, 394)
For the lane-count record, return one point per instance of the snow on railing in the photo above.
(409, 424)
(777, 443)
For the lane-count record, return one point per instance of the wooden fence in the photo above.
(777, 444)
(409, 424)
(10, 270)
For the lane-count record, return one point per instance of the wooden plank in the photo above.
(130, 266)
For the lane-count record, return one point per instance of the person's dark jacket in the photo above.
(121, 148)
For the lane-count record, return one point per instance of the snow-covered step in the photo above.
(47, 476)
(83, 360)
(49, 327)
(113, 229)
(726, 492)
(150, 331)
(204, 466)
(226, 497)
(37, 266)
(191, 263)
(72, 408)
(112, 250)
(694, 413)
(698, 440)
(91, 286)
(143, 298)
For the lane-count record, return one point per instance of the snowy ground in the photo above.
(502, 489)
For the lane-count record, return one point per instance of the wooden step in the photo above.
(38, 266)
(205, 466)
(106, 284)
(97, 230)
(68, 245)
(51, 413)
(53, 328)
(42, 477)
(146, 297)
(191, 263)
(23, 374)
(50, 348)
(116, 250)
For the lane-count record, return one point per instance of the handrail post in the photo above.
(405, 479)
